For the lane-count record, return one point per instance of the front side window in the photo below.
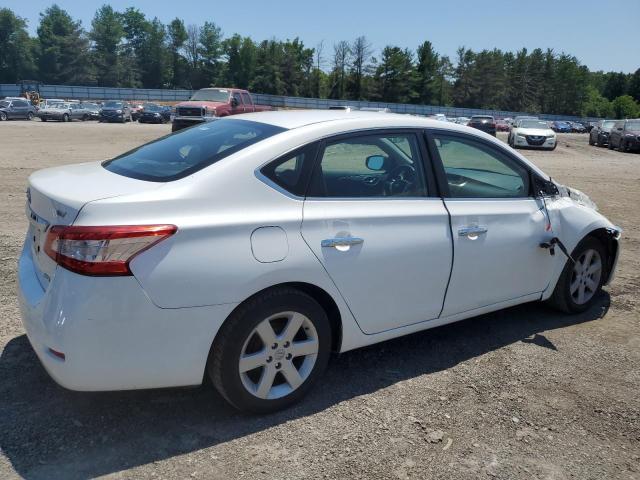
(238, 100)
(476, 170)
(246, 99)
(386, 165)
(183, 153)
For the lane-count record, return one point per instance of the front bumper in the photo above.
(112, 335)
(521, 141)
(115, 117)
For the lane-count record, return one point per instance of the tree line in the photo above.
(127, 49)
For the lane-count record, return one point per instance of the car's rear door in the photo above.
(497, 225)
(372, 218)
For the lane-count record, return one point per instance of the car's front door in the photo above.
(497, 225)
(236, 103)
(20, 109)
(370, 220)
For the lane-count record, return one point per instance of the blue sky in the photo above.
(603, 34)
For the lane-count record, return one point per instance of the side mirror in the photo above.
(234, 102)
(375, 162)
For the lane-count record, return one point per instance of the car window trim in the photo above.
(429, 181)
(441, 176)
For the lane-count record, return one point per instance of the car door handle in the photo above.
(341, 241)
(471, 231)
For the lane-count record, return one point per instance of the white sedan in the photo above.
(250, 248)
(532, 133)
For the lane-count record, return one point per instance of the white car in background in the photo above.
(532, 133)
(249, 248)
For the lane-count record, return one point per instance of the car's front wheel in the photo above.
(270, 351)
(580, 282)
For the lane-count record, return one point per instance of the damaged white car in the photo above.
(249, 248)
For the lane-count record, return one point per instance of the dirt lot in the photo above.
(524, 393)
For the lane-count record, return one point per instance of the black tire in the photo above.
(43, 119)
(591, 141)
(85, 117)
(30, 116)
(237, 329)
(3, 116)
(610, 145)
(175, 128)
(622, 146)
(561, 297)
(65, 118)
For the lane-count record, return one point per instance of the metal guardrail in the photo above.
(109, 93)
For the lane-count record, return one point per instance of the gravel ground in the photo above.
(523, 393)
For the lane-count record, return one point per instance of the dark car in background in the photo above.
(577, 127)
(92, 110)
(115, 111)
(561, 127)
(625, 135)
(153, 113)
(486, 123)
(502, 126)
(12, 109)
(599, 134)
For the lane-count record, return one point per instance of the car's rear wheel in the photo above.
(30, 116)
(580, 283)
(591, 141)
(3, 116)
(65, 118)
(270, 351)
(43, 119)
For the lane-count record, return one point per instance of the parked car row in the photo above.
(623, 135)
(67, 110)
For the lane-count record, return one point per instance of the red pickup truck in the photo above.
(209, 103)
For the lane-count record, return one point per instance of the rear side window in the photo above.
(183, 153)
(291, 172)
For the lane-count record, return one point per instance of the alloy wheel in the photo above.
(278, 355)
(585, 278)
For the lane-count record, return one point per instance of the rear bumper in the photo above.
(112, 335)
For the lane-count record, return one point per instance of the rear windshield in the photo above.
(633, 125)
(112, 105)
(183, 153)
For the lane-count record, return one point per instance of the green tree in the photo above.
(625, 106)
(210, 51)
(395, 76)
(359, 68)
(463, 87)
(63, 48)
(615, 85)
(106, 33)
(16, 53)
(634, 85)
(268, 76)
(428, 78)
(177, 34)
(596, 105)
(154, 56)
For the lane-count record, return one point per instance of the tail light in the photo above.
(102, 251)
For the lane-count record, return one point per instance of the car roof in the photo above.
(291, 119)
